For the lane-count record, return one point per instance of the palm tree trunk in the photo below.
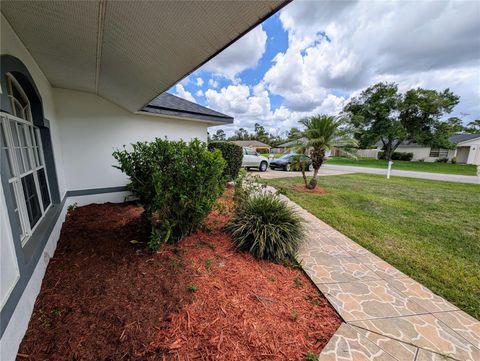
(304, 177)
(316, 167)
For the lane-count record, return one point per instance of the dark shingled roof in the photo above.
(458, 138)
(171, 105)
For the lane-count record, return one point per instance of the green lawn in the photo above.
(429, 230)
(447, 168)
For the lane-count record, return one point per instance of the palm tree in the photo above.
(322, 133)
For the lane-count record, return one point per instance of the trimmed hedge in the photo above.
(176, 182)
(397, 156)
(233, 155)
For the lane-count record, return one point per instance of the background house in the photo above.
(77, 80)
(254, 144)
(467, 149)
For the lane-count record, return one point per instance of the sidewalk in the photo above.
(388, 316)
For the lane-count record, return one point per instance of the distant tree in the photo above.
(294, 133)
(420, 113)
(323, 132)
(473, 127)
(381, 113)
(241, 134)
(219, 135)
(374, 116)
(261, 134)
(444, 130)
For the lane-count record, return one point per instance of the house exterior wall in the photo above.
(21, 275)
(92, 127)
(418, 153)
(83, 130)
(474, 151)
(421, 153)
(10, 44)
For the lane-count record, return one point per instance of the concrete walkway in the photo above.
(388, 316)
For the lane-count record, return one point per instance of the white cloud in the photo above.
(238, 101)
(349, 45)
(250, 105)
(463, 81)
(199, 93)
(182, 93)
(213, 83)
(341, 47)
(243, 54)
(199, 81)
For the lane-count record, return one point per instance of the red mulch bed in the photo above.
(302, 188)
(104, 298)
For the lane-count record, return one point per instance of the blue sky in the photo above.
(277, 42)
(311, 57)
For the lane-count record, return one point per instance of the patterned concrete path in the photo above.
(388, 316)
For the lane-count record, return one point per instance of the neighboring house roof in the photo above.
(251, 143)
(455, 139)
(171, 105)
(459, 138)
(292, 143)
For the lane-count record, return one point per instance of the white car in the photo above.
(251, 159)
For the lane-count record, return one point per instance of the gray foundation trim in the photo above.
(35, 246)
(92, 191)
(28, 260)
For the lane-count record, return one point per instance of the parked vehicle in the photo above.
(291, 161)
(251, 159)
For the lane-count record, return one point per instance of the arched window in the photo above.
(26, 173)
(18, 99)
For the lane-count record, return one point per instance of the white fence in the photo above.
(368, 153)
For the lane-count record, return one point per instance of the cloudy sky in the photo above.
(311, 57)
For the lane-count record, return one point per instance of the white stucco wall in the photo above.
(10, 44)
(418, 153)
(85, 129)
(474, 153)
(92, 127)
(422, 153)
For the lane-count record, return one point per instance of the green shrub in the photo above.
(267, 228)
(397, 156)
(442, 160)
(176, 182)
(233, 154)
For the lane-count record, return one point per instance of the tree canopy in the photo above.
(382, 113)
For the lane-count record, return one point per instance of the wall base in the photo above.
(18, 324)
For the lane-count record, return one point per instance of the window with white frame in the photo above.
(438, 153)
(22, 149)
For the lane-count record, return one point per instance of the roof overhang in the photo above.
(207, 120)
(129, 51)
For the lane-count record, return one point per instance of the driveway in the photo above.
(272, 174)
(328, 169)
